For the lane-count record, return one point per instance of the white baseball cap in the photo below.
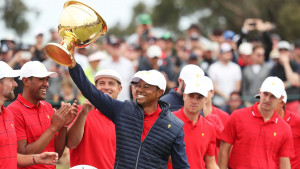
(190, 72)
(110, 73)
(284, 45)
(208, 83)
(273, 85)
(246, 48)
(35, 69)
(7, 71)
(152, 77)
(154, 51)
(284, 96)
(196, 86)
(97, 56)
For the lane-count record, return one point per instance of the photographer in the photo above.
(263, 28)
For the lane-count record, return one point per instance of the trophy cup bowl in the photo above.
(79, 24)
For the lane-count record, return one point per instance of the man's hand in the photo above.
(47, 158)
(284, 58)
(87, 107)
(71, 50)
(71, 114)
(58, 118)
(249, 24)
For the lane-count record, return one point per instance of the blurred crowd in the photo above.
(237, 62)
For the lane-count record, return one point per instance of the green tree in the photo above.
(13, 14)
(228, 14)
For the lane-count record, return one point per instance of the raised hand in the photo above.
(71, 114)
(48, 158)
(87, 106)
(249, 24)
(58, 118)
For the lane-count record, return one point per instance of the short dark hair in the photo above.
(195, 26)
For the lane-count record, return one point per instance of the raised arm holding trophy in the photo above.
(138, 144)
(79, 24)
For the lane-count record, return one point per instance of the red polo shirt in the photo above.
(8, 140)
(257, 144)
(149, 120)
(98, 145)
(31, 122)
(294, 121)
(213, 118)
(199, 138)
(222, 114)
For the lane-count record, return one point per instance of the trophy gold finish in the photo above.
(79, 24)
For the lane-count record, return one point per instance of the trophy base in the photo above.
(59, 54)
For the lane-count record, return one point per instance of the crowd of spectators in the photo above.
(237, 62)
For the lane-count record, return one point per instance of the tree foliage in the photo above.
(228, 14)
(13, 14)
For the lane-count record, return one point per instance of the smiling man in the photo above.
(85, 148)
(9, 158)
(147, 133)
(39, 127)
(257, 136)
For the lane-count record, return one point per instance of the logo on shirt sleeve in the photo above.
(202, 134)
(12, 125)
(275, 134)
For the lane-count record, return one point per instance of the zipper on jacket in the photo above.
(137, 160)
(138, 156)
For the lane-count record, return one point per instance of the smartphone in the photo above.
(252, 24)
(26, 55)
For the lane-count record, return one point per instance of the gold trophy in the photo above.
(79, 24)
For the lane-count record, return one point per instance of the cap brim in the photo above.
(202, 92)
(13, 73)
(108, 76)
(16, 73)
(277, 95)
(48, 74)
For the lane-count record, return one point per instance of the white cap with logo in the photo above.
(273, 85)
(7, 71)
(35, 69)
(152, 77)
(196, 86)
(190, 72)
(110, 73)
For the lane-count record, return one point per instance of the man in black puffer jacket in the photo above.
(147, 132)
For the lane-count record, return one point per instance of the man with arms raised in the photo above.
(85, 148)
(147, 133)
